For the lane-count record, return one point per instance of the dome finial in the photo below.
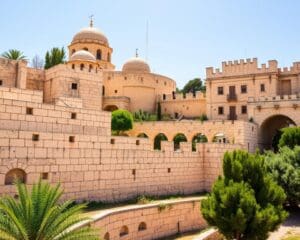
(136, 52)
(91, 20)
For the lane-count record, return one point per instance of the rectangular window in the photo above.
(72, 139)
(73, 115)
(29, 111)
(35, 137)
(44, 176)
(1, 82)
(220, 110)
(243, 88)
(220, 90)
(262, 87)
(74, 86)
(244, 109)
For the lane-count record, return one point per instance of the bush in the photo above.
(285, 170)
(246, 203)
(203, 118)
(290, 137)
(121, 120)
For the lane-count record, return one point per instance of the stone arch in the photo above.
(177, 139)
(15, 174)
(142, 226)
(99, 54)
(110, 108)
(124, 231)
(142, 135)
(198, 138)
(157, 140)
(106, 236)
(270, 127)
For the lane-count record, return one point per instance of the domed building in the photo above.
(94, 41)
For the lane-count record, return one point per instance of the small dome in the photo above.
(90, 34)
(136, 64)
(83, 55)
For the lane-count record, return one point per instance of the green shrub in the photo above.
(246, 203)
(121, 120)
(285, 170)
(290, 137)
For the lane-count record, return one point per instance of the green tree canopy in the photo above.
(13, 54)
(193, 85)
(290, 137)
(121, 120)
(246, 203)
(39, 215)
(285, 170)
(54, 57)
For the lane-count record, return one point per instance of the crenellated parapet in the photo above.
(198, 95)
(241, 67)
(294, 69)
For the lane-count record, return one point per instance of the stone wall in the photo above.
(159, 220)
(47, 142)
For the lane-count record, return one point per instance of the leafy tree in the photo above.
(39, 215)
(159, 116)
(246, 203)
(178, 139)
(290, 137)
(157, 141)
(203, 117)
(13, 54)
(54, 57)
(121, 120)
(193, 86)
(285, 170)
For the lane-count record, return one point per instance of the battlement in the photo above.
(241, 67)
(295, 69)
(181, 97)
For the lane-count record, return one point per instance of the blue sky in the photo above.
(185, 36)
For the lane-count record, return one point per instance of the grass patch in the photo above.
(292, 237)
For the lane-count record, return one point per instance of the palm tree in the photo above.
(37, 215)
(13, 54)
(54, 56)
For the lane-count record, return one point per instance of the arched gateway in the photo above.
(270, 127)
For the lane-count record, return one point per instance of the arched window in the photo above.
(15, 174)
(198, 138)
(90, 67)
(86, 49)
(142, 135)
(106, 236)
(73, 66)
(73, 51)
(157, 140)
(81, 66)
(124, 231)
(142, 226)
(108, 57)
(103, 91)
(180, 137)
(98, 56)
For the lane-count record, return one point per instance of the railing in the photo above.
(231, 97)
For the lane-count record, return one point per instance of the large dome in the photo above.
(83, 55)
(90, 34)
(136, 64)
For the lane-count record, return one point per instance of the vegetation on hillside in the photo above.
(54, 57)
(121, 120)
(245, 203)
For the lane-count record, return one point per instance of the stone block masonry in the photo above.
(74, 147)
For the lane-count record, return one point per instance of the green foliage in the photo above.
(157, 141)
(54, 57)
(193, 86)
(246, 203)
(159, 116)
(290, 137)
(121, 120)
(203, 117)
(14, 54)
(178, 139)
(141, 116)
(285, 170)
(199, 138)
(38, 215)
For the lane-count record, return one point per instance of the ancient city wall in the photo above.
(151, 221)
(47, 142)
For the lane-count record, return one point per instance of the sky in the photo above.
(184, 36)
